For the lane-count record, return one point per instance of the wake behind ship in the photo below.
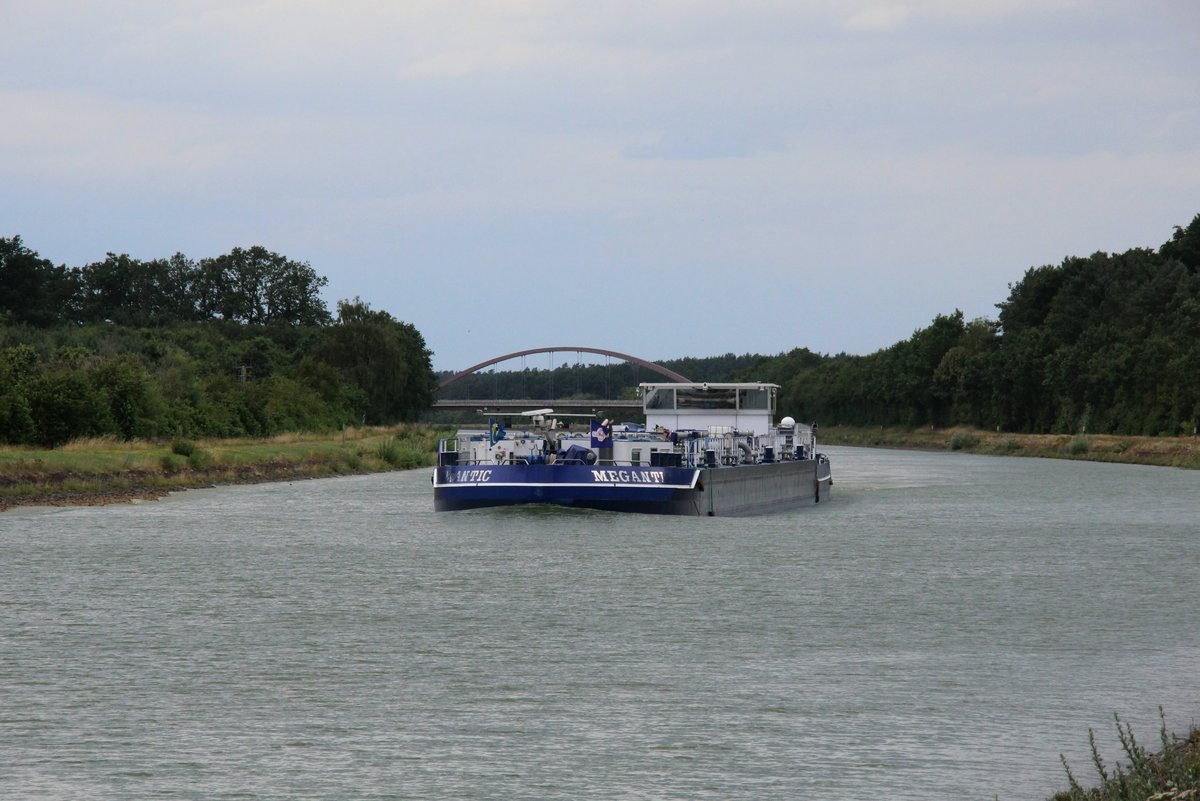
(705, 449)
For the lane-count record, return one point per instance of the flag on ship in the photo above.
(601, 434)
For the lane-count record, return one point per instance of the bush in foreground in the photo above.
(1172, 774)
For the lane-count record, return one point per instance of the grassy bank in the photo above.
(107, 470)
(1164, 451)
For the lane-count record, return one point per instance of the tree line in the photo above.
(1109, 343)
(242, 344)
(237, 345)
(252, 286)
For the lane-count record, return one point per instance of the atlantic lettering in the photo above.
(471, 476)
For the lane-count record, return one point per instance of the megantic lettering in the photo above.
(629, 476)
(465, 476)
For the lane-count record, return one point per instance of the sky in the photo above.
(664, 179)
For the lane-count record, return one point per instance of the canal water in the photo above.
(944, 628)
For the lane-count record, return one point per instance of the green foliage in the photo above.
(1110, 343)
(32, 290)
(257, 286)
(253, 286)
(1172, 773)
(960, 441)
(17, 367)
(185, 451)
(65, 405)
(199, 459)
(135, 403)
(403, 455)
(240, 345)
(16, 416)
(290, 405)
(389, 451)
(385, 358)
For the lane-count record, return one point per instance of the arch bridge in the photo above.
(649, 365)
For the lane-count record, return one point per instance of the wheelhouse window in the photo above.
(660, 398)
(706, 398)
(755, 398)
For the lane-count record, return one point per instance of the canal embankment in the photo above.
(107, 470)
(1162, 451)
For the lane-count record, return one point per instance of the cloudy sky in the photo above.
(671, 178)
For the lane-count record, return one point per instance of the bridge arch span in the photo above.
(658, 368)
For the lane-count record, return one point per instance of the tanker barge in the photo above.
(705, 449)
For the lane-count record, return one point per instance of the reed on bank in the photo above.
(1162, 451)
(106, 470)
(1170, 774)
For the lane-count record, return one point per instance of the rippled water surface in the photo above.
(944, 628)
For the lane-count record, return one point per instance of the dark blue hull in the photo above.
(750, 489)
(649, 490)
